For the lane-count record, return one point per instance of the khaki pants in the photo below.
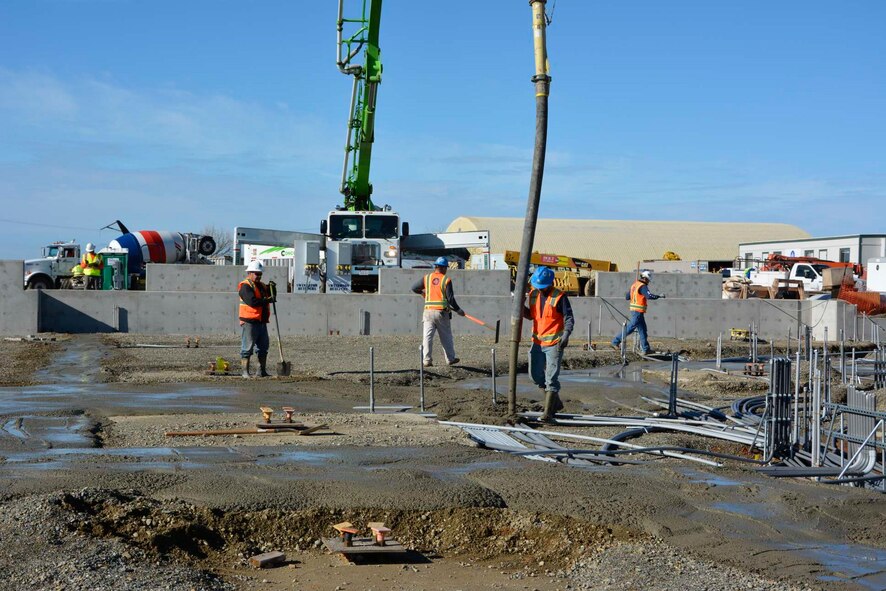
(437, 321)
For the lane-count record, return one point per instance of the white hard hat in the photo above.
(647, 275)
(255, 267)
(90, 247)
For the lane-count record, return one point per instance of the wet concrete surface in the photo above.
(49, 430)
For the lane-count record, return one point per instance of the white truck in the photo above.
(809, 273)
(50, 271)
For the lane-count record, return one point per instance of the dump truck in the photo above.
(572, 275)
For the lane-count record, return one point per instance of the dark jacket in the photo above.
(247, 296)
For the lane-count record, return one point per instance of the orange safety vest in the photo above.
(435, 291)
(248, 312)
(92, 266)
(638, 300)
(547, 321)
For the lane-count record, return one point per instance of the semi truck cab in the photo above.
(372, 239)
(47, 272)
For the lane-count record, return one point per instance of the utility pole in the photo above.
(542, 82)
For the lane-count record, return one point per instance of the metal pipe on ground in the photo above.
(494, 389)
(371, 379)
(421, 377)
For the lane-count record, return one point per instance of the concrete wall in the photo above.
(464, 282)
(18, 308)
(214, 313)
(202, 278)
(355, 314)
(672, 285)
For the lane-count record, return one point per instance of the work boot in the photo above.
(263, 366)
(549, 412)
(558, 404)
(453, 361)
(616, 347)
(244, 367)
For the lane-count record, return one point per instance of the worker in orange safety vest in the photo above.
(638, 297)
(440, 302)
(254, 313)
(552, 323)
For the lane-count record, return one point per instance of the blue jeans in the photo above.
(544, 366)
(638, 323)
(254, 336)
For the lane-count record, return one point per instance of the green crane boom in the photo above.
(362, 38)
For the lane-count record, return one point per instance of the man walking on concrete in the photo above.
(552, 323)
(638, 296)
(254, 313)
(440, 302)
(92, 264)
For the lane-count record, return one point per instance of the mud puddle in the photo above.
(78, 361)
(841, 562)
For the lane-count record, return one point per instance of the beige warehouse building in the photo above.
(625, 242)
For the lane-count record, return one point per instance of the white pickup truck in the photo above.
(809, 273)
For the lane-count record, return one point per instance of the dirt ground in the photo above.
(21, 358)
(122, 505)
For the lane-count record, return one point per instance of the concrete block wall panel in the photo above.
(464, 283)
(185, 313)
(700, 285)
(18, 307)
(833, 314)
(672, 285)
(210, 313)
(84, 312)
(203, 278)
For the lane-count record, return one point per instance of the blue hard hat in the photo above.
(543, 278)
(441, 262)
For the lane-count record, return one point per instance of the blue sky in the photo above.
(176, 115)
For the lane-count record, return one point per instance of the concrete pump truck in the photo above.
(357, 238)
(368, 236)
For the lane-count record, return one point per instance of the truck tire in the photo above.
(39, 283)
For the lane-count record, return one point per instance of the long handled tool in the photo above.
(284, 368)
(484, 325)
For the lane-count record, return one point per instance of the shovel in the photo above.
(284, 368)
(484, 325)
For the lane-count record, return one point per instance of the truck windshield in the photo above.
(381, 226)
(345, 226)
(50, 251)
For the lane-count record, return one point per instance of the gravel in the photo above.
(49, 553)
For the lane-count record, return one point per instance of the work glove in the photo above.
(663, 297)
(460, 312)
(272, 292)
(564, 342)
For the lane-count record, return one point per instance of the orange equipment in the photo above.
(780, 262)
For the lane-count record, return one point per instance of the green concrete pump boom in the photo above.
(362, 39)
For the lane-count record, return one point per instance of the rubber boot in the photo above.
(548, 415)
(263, 366)
(244, 367)
(558, 404)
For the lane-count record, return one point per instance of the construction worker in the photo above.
(77, 276)
(552, 323)
(255, 313)
(440, 302)
(92, 264)
(638, 296)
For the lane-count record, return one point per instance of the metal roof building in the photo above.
(625, 242)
